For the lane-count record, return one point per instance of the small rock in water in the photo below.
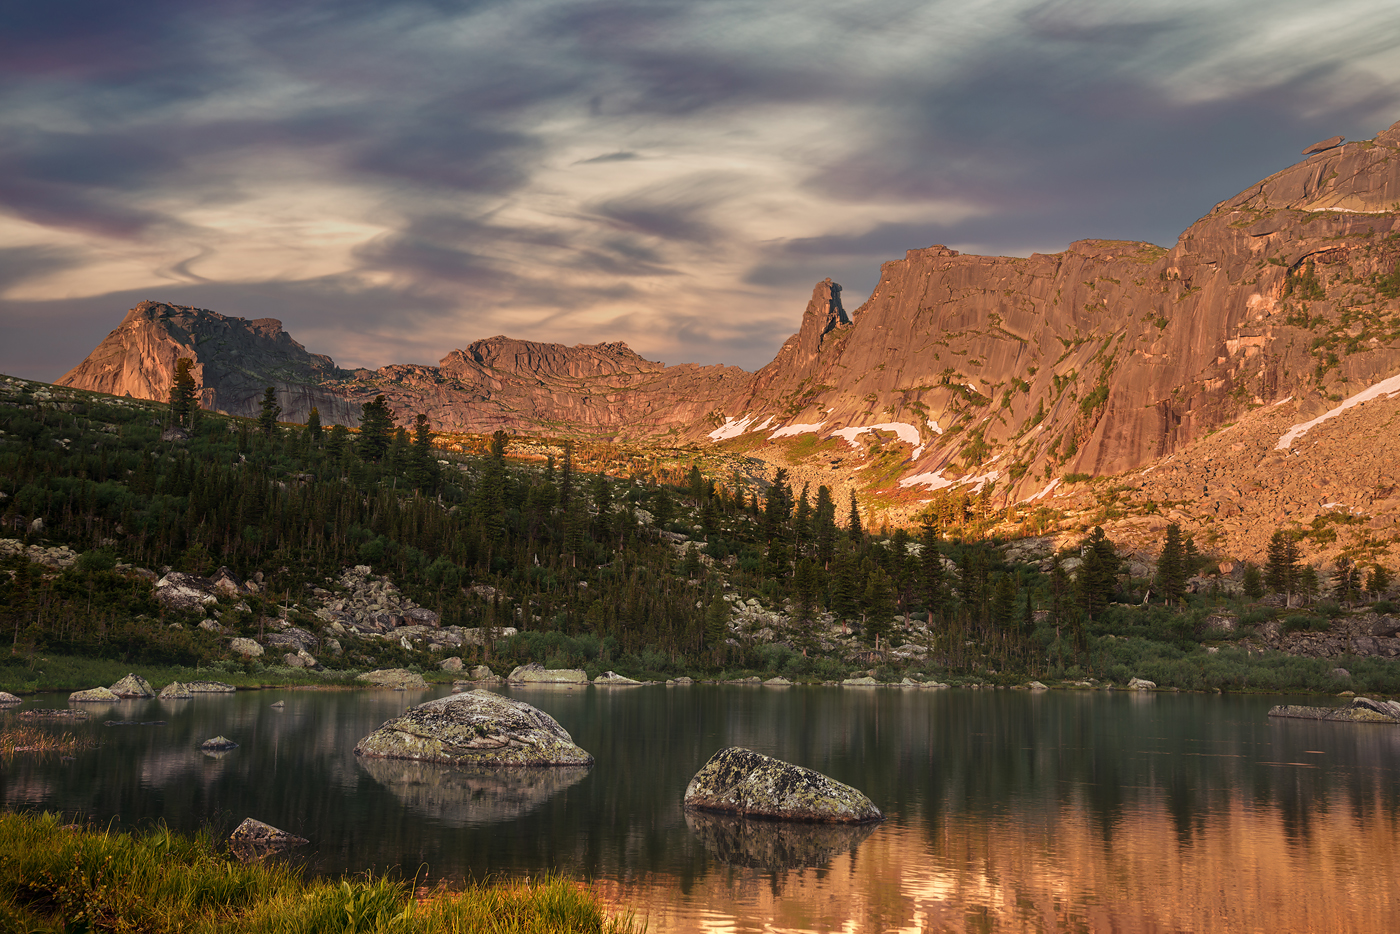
(218, 744)
(175, 691)
(93, 696)
(253, 839)
(133, 685)
(7, 699)
(614, 679)
(740, 781)
(279, 705)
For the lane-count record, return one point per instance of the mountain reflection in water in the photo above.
(769, 844)
(460, 796)
(1006, 811)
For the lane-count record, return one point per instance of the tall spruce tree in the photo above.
(1171, 567)
(1097, 576)
(268, 412)
(376, 429)
(184, 394)
(1281, 572)
(933, 578)
(313, 425)
(853, 525)
(422, 464)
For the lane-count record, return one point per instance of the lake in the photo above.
(1007, 811)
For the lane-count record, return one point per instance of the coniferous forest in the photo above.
(653, 575)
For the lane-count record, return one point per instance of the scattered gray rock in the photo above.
(52, 713)
(1037, 686)
(778, 682)
(218, 743)
(533, 673)
(1341, 673)
(1359, 710)
(862, 682)
(179, 591)
(740, 781)
(475, 728)
(93, 696)
(483, 673)
(246, 647)
(210, 687)
(133, 686)
(397, 678)
(8, 700)
(278, 705)
(175, 691)
(253, 839)
(450, 664)
(1141, 684)
(612, 678)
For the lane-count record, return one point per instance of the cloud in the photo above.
(397, 179)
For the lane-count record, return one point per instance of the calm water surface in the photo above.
(1007, 811)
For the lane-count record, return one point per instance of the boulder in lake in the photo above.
(740, 781)
(612, 678)
(219, 743)
(465, 796)
(253, 839)
(397, 678)
(534, 673)
(210, 687)
(93, 696)
(1358, 710)
(175, 691)
(475, 728)
(133, 686)
(8, 700)
(778, 682)
(862, 682)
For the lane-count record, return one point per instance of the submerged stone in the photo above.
(253, 839)
(475, 728)
(740, 781)
(470, 795)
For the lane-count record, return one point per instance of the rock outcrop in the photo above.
(175, 691)
(477, 728)
(8, 700)
(97, 695)
(400, 679)
(210, 687)
(973, 370)
(746, 783)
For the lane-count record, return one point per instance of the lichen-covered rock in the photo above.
(8, 700)
(534, 673)
(1142, 684)
(175, 691)
(93, 696)
(475, 728)
(246, 647)
(400, 678)
(210, 687)
(483, 673)
(218, 743)
(179, 591)
(865, 681)
(763, 844)
(253, 839)
(451, 664)
(778, 682)
(615, 680)
(133, 686)
(1359, 710)
(740, 781)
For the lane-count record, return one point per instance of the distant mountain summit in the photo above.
(966, 370)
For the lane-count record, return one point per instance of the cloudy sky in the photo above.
(394, 180)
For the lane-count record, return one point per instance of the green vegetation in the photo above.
(60, 878)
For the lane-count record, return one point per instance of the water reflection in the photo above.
(1007, 811)
(761, 844)
(460, 796)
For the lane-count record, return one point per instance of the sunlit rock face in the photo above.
(985, 369)
(477, 728)
(743, 782)
(461, 796)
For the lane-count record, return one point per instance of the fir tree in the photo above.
(268, 412)
(1378, 581)
(1171, 567)
(184, 398)
(422, 464)
(1281, 570)
(313, 426)
(376, 426)
(853, 526)
(932, 576)
(825, 521)
(878, 602)
(1346, 581)
(1097, 577)
(1253, 581)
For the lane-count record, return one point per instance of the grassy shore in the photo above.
(59, 878)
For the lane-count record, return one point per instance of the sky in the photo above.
(395, 180)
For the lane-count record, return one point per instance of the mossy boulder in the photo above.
(740, 781)
(475, 728)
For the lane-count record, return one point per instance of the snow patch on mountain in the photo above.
(799, 428)
(905, 431)
(1386, 387)
(732, 428)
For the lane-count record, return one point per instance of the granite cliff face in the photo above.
(963, 370)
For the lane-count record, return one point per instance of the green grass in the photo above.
(54, 672)
(54, 877)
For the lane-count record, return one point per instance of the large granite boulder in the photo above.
(246, 647)
(740, 781)
(133, 686)
(397, 678)
(475, 728)
(179, 591)
(615, 680)
(534, 673)
(93, 696)
(7, 699)
(175, 691)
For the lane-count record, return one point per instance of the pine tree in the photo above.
(878, 604)
(845, 587)
(1253, 581)
(1346, 581)
(1097, 577)
(1171, 567)
(1004, 600)
(853, 526)
(1378, 581)
(422, 464)
(1281, 570)
(933, 581)
(313, 425)
(268, 412)
(825, 521)
(376, 425)
(184, 398)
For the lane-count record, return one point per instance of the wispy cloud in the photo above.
(394, 180)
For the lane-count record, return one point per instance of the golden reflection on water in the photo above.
(1242, 868)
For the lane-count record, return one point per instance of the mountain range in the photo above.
(959, 372)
